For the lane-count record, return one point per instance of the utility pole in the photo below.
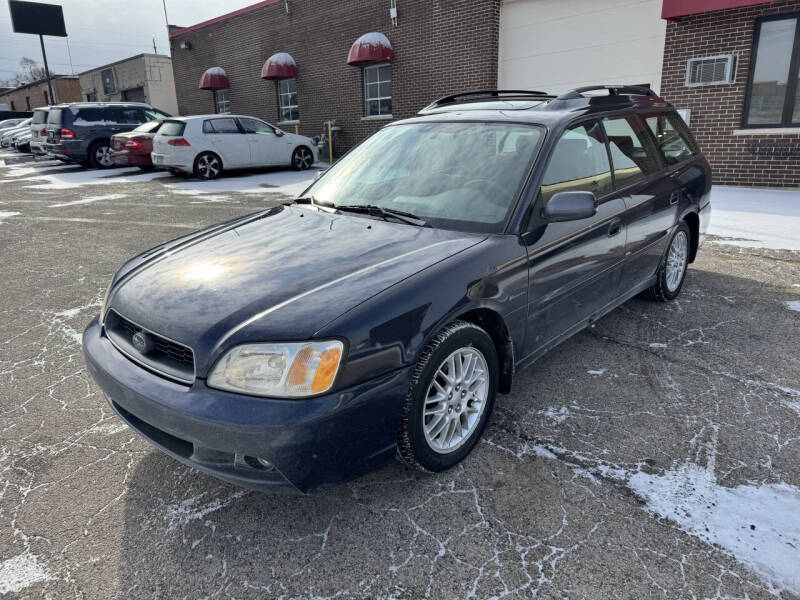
(50, 98)
(166, 18)
(155, 50)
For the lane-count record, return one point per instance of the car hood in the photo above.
(281, 276)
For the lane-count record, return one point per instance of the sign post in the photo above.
(40, 19)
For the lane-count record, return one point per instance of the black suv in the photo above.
(81, 131)
(381, 311)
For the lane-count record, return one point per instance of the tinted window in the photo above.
(93, 116)
(672, 139)
(772, 79)
(150, 127)
(579, 162)
(54, 116)
(173, 128)
(223, 126)
(151, 114)
(256, 126)
(631, 153)
(128, 116)
(453, 175)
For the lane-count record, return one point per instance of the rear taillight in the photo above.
(133, 144)
(178, 142)
(67, 134)
(43, 132)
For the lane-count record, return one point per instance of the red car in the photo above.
(133, 148)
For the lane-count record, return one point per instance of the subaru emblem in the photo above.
(142, 342)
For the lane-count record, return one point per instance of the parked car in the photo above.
(22, 142)
(380, 313)
(134, 147)
(7, 123)
(7, 135)
(38, 131)
(81, 131)
(208, 144)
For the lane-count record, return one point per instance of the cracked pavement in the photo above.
(567, 496)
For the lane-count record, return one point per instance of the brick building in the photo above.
(734, 65)
(33, 95)
(436, 47)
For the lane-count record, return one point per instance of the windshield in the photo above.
(464, 176)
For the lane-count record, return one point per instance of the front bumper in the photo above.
(313, 444)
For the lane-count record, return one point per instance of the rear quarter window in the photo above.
(672, 137)
(172, 128)
(39, 117)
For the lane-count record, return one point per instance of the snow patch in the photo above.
(374, 38)
(183, 513)
(658, 345)
(793, 305)
(753, 218)
(89, 200)
(596, 373)
(5, 215)
(216, 71)
(282, 58)
(289, 183)
(20, 572)
(74, 179)
(758, 525)
(558, 416)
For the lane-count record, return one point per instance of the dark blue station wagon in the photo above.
(380, 313)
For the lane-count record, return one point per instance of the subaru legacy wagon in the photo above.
(379, 314)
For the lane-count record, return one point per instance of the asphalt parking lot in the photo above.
(654, 455)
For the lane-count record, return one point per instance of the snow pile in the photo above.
(6, 214)
(73, 179)
(754, 218)
(282, 59)
(20, 572)
(758, 525)
(375, 39)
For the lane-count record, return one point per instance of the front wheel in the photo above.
(672, 272)
(302, 159)
(450, 398)
(208, 166)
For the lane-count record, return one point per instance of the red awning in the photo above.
(370, 47)
(279, 66)
(672, 9)
(214, 79)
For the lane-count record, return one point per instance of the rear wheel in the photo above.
(208, 165)
(100, 155)
(672, 271)
(302, 158)
(450, 398)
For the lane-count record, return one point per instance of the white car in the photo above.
(9, 123)
(7, 135)
(38, 133)
(207, 144)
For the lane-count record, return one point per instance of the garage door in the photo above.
(134, 95)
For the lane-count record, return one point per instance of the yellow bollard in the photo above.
(330, 144)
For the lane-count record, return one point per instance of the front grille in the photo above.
(166, 356)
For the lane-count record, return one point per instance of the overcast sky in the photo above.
(102, 31)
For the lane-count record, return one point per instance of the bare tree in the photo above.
(29, 71)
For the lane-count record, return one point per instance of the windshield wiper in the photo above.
(385, 213)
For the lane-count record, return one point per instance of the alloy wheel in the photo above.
(455, 400)
(303, 158)
(103, 156)
(208, 166)
(676, 260)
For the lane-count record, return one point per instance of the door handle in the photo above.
(674, 198)
(615, 227)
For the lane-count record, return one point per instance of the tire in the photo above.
(147, 168)
(672, 271)
(302, 158)
(431, 451)
(207, 165)
(100, 155)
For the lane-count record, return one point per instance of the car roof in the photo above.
(213, 116)
(99, 104)
(539, 107)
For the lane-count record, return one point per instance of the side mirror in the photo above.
(570, 206)
(279, 133)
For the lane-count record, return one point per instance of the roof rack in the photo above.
(478, 94)
(613, 90)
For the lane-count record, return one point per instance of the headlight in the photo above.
(290, 370)
(105, 302)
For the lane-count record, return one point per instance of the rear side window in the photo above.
(579, 162)
(672, 138)
(172, 128)
(39, 117)
(129, 116)
(226, 125)
(54, 116)
(632, 154)
(93, 116)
